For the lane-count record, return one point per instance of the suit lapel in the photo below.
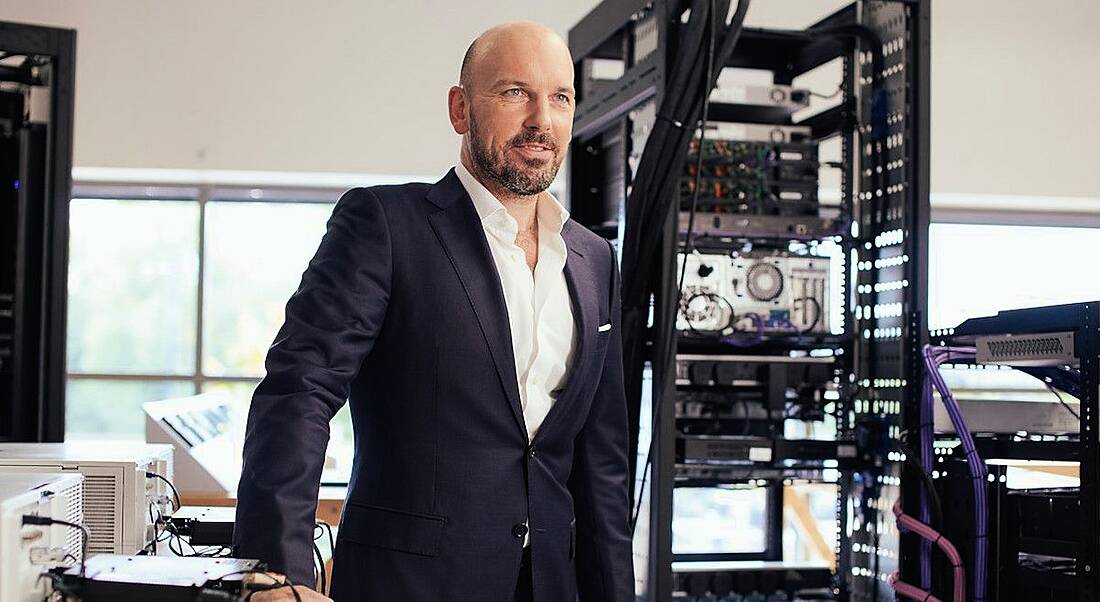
(460, 232)
(583, 295)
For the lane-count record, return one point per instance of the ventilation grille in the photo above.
(101, 513)
(74, 513)
(1027, 349)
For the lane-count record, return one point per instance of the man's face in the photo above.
(520, 105)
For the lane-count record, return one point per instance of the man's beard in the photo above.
(525, 178)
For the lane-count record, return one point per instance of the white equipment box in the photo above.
(28, 550)
(121, 502)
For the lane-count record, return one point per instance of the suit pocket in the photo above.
(602, 336)
(400, 530)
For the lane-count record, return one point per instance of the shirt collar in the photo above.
(550, 212)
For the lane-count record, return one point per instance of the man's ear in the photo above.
(458, 110)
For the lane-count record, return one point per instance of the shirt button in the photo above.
(519, 530)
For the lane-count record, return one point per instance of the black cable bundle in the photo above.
(655, 189)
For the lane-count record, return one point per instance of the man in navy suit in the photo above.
(474, 329)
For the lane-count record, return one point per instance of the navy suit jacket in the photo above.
(401, 312)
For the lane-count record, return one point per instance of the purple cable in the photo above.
(757, 321)
(933, 357)
(978, 470)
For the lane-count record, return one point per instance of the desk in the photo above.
(330, 502)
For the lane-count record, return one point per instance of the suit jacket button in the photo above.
(531, 451)
(519, 530)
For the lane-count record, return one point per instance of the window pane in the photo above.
(133, 269)
(111, 409)
(716, 521)
(977, 270)
(255, 256)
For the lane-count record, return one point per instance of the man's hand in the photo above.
(279, 592)
(283, 594)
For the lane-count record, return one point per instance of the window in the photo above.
(129, 318)
(106, 408)
(255, 255)
(133, 267)
(178, 291)
(979, 269)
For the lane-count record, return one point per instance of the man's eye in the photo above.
(563, 98)
(513, 92)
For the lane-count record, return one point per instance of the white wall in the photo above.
(337, 85)
(359, 86)
(1016, 97)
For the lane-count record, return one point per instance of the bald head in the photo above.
(520, 36)
(514, 108)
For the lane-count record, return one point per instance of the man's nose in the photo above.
(538, 115)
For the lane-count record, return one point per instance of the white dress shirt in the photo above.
(540, 314)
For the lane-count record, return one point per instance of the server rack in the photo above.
(1042, 541)
(37, 79)
(624, 52)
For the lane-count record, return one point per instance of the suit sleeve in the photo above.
(598, 482)
(332, 321)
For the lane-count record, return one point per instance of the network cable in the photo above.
(933, 358)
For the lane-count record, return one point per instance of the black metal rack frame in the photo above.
(33, 312)
(883, 123)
